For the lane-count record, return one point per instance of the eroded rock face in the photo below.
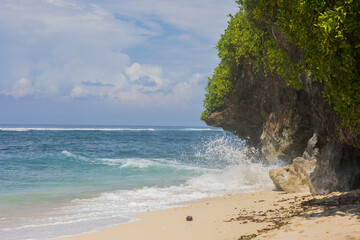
(281, 122)
(266, 113)
(335, 168)
(296, 177)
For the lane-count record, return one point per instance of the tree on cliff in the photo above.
(327, 34)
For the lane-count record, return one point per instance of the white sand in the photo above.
(231, 217)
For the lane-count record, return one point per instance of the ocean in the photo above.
(65, 180)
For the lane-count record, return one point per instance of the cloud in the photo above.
(61, 3)
(131, 52)
(21, 88)
(97, 84)
(207, 19)
(51, 91)
(145, 87)
(137, 70)
(148, 77)
(79, 92)
(184, 93)
(60, 43)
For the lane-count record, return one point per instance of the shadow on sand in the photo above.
(336, 205)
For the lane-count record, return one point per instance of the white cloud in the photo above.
(21, 88)
(86, 48)
(79, 92)
(205, 18)
(51, 91)
(184, 92)
(137, 71)
(61, 3)
(147, 77)
(59, 43)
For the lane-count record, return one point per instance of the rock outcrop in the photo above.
(296, 176)
(295, 125)
(267, 114)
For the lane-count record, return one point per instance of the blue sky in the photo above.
(125, 62)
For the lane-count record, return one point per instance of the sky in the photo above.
(108, 62)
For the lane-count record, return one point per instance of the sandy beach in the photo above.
(260, 215)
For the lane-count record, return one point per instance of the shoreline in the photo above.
(257, 215)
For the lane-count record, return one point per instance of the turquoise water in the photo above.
(65, 180)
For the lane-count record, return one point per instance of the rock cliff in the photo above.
(295, 125)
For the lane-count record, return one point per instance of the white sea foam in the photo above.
(204, 129)
(146, 163)
(109, 208)
(237, 173)
(71, 155)
(223, 149)
(232, 179)
(136, 163)
(68, 154)
(140, 163)
(24, 129)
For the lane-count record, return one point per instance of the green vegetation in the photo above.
(328, 32)
(244, 39)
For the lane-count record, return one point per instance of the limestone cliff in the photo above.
(295, 125)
